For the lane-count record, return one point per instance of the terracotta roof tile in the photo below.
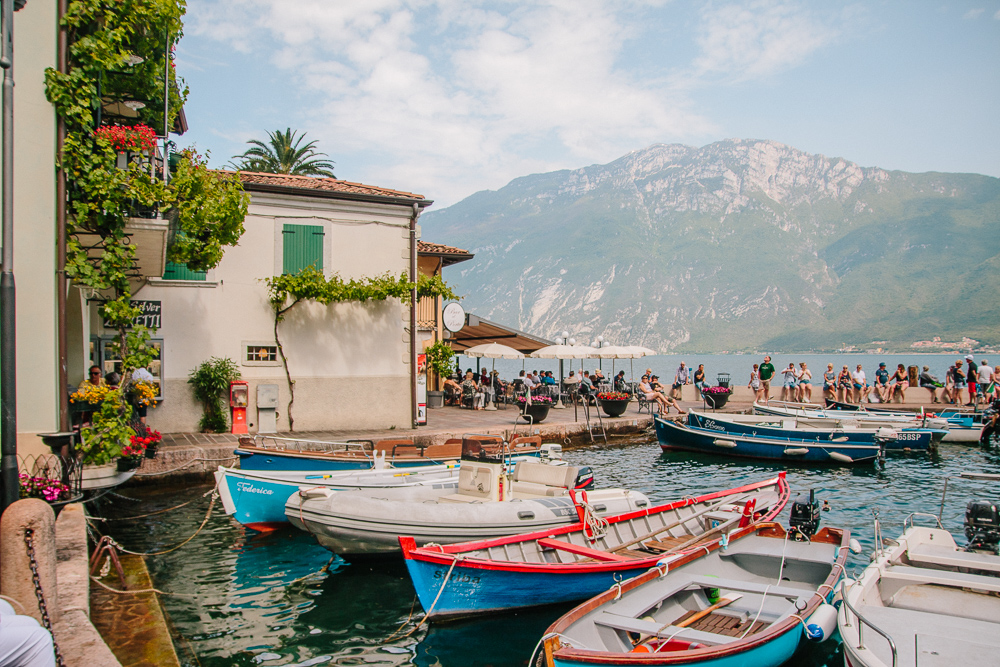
(323, 184)
(438, 249)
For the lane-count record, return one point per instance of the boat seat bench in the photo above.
(653, 629)
(929, 554)
(579, 550)
(919, 575)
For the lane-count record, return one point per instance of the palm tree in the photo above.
(283, 155)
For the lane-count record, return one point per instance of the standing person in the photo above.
(958, 373)
(930, 383)
(755, 382)
(860, 383)
(699, 379)
(681, 378)
(881, 383)
(901, 381)
(972, 380)
(844, 385)
(986, 380)
(766, 373)
(790, 383)
(830, 383)
(805, 390)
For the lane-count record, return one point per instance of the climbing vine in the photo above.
(119, 52)
(287, 291)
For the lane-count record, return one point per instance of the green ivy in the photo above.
(439, 357)
(206, 208)
(284, 292)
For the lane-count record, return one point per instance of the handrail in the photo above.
(862, 621)
(909, 519)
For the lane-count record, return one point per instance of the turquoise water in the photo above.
(260, 599)
(737, 365)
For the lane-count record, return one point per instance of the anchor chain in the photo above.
(29, 546)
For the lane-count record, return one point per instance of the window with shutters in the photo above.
(302, 247)
(174, 271)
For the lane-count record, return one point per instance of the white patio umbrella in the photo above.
(563, 352)
(493, 351)
(638, 352)
(618, 352)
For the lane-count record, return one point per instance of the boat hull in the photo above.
(296, 461)
(906, 438)
(675, 436)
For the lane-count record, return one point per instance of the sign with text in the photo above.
(151, 314)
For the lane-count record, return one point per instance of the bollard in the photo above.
(16, 577)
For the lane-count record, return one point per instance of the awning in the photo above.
(478, 331)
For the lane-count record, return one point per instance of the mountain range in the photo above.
(737, 245)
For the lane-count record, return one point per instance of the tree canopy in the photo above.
(284, 154)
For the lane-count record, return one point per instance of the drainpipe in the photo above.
(9, 485)
(61, 284)
(413, 315)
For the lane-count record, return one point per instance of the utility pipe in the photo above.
(9, 484)
(61, 284)
(413, 315)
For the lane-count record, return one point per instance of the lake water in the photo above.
(260, 599)
(737, 365)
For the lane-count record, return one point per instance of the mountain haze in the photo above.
(738, 245)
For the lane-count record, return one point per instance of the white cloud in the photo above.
(458, 95)
(997, 15)
(759, 38)
(974, 13)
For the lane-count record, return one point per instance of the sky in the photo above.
(449, 97)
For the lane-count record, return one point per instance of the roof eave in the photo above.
(330, 194)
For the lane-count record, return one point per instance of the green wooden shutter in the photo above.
(303, 247)
(174, 271)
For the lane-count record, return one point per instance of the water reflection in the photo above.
(263, 599)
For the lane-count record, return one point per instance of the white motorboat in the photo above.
(490, 499)
(864, 417)
(925, 601)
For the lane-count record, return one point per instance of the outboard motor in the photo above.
(584, 478)
(550, 451)
(805, 514)
(982, 526)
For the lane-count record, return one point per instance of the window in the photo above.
(260, 354)
(302, 247)
(174, 271)
(110, 362)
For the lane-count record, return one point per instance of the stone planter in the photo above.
(716, 401)
(614, 408)
(103, 476)
(435, 399)
(537, 411)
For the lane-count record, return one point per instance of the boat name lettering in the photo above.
(250, 488)
(712, 425)
(459, 578)
(908, 436)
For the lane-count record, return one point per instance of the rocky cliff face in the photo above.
(741, 244)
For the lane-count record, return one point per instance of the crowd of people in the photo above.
(978, 381)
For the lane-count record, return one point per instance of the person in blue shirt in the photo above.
(882, 383)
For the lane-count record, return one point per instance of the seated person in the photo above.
(470, 390)
(23, 641)
(93, 379)
(547, 378)
(901, 382)
(597, 378)
(619, 383)
(931, 383)
(882, 383)
(650, 394)
(452, 389)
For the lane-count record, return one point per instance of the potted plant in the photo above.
(538, 409)
(613, 403)
(103, 442)
(52, 491)
(132, 455)
(439, 358)
(716, 397)
(151, 441)
(138, 140)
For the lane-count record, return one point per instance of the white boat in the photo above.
(923, 601)
(813, 411)
(488, 500)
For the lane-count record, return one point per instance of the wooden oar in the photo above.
(711, 508)
(694, 618)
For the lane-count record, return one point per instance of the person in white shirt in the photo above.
(23, 641)
(861, 387)
(986, 379)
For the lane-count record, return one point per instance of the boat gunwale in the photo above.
(448, 553)
(826, 536)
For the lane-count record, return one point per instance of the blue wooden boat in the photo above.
(257, 498)
(276, 453)
(568, 563)
(812, 430)
(746, 604)
(674, 435)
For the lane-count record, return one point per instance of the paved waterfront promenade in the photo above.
(192, 456)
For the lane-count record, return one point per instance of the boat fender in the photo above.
(747, 517)
(822, 623)
(837, 456)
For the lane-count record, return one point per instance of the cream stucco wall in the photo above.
(349, 360)
(35, 32)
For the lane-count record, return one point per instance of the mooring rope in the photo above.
(194, 460)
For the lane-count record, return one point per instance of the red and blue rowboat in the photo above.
(580, 560)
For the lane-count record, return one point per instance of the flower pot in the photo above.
(151, 451)
(127, 463)
(716, 401)
(537, 411)
(614, 408)
(435, 399)
(103, 476)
